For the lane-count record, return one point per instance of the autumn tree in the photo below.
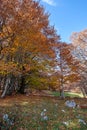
(66, 66)
(25, 36)
(79, 42)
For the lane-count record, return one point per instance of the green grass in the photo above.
(27, 114)
(70, 94)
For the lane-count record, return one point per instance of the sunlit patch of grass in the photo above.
(27, 114)
(70, 94)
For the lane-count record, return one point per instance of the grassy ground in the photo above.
(27, 114)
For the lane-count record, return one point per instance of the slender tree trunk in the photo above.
(62, 95)
(83, 91)
(62, 78)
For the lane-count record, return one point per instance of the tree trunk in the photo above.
(8, 85)
(62, 77)
(62, 95)
(22, 85)
(83, 91)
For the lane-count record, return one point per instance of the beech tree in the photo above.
(25, 36)
(66, 66)
(79, 42)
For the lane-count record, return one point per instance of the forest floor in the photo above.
(24, 112)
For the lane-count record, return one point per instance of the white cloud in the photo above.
(50, 2)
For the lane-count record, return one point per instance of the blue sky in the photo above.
(67, 16)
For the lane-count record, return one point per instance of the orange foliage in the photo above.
(24, 33)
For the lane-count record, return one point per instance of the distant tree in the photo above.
(66, 66)
(79, 42)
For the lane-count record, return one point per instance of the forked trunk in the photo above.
(5, 87)
(9, 84)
